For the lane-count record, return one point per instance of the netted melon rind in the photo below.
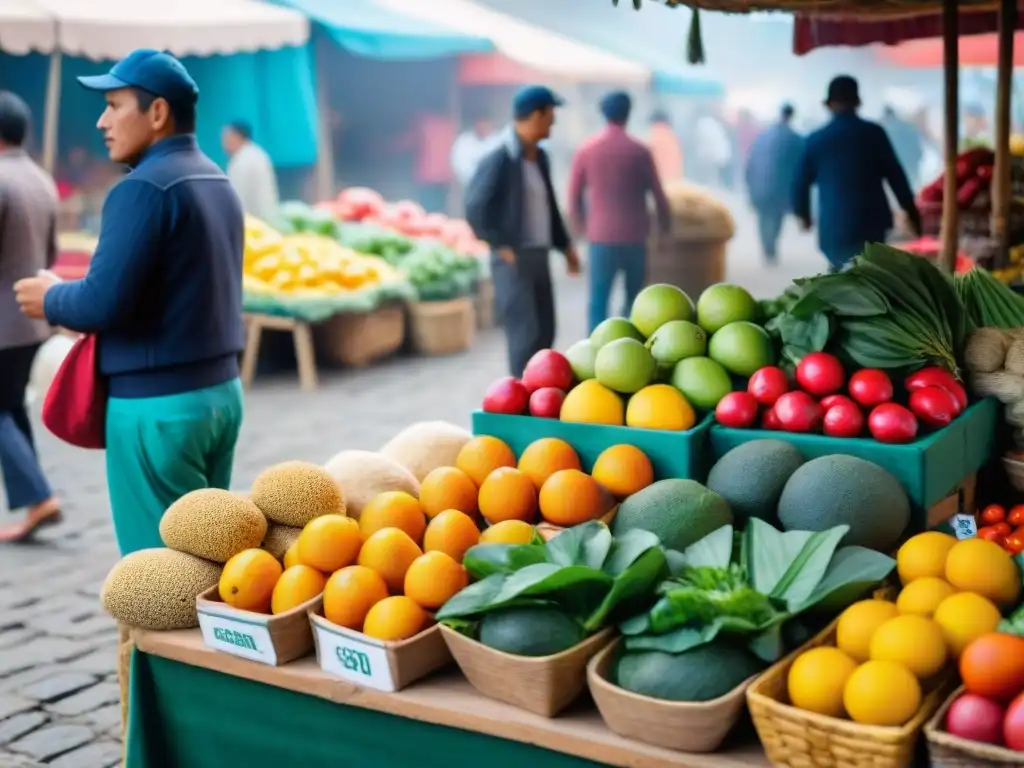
(294, 492)
(212, 524)
(279, 538)
(425, 446)
(157, 588)
(364, 475)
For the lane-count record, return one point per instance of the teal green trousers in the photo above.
(160, 448)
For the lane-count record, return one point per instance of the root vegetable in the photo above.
(1006, 387)
(1014, 362)
(986, 350)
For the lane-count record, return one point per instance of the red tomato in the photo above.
(1016, 515)
(828, 402)
(798, 412)
(737, 410)
(770, 420)
(891, 423)
(992, 514)
(937, 377)
(768, 384)
(975, 718)
(844, 419)
(1013, 725)
(870, 387)
(820, 374)
(993, 666)
(1004, 529)
(934, 406)
(989, 533)
(1014, 544)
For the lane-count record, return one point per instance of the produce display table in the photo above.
(305, 356)
(189, 705)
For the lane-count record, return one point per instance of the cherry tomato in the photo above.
(1014, 544)
(989, 533)
(992, 514)
(1015, 517)
(1005, 529)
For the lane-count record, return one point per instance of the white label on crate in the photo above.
(964, 526)
(239, 638)
(354, 660)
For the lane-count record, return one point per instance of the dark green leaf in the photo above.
(849, 296)
(809, 304)
(545, 578)
(633, 583)
(627, 549)
(770, 553)
(474, 599)
(713, 551)
(676, 641)
(852, 572)
(635, 625)
(769, 645)
(809, 567)
(585, 545)
(483, 560)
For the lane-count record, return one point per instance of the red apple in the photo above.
(547, 368)
(768, 384)
(508, 396)
(843, 419)
(798, 412)
(546, 402)
(737, 410)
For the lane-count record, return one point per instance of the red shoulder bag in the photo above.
(75, 408)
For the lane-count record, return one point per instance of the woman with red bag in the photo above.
(28, 218)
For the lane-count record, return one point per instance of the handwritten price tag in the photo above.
(964, 526)
(354, 660)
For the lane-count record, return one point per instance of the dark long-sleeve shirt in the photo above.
(164, 288)
(612, 176)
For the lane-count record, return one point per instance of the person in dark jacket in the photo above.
(771, 165)
(164, 295)
(511, 206)
(850, 160)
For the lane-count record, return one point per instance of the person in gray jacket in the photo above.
(28, 243)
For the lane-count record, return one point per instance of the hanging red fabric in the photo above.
(75, 408)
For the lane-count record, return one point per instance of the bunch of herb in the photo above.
(586, 572)
(749, 587)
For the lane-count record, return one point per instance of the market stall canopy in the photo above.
(366, 28)
(975, 51)
(524, 43)
(110, 29)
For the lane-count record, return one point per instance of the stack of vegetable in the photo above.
(973, 180)
(988, 302)
(995, 360)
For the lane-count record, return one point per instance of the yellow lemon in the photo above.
(922, 596)
(977, 565)
(817, 679)
(882, 693)
(508, 532)
(913, 641)
(659, 406)
(858, 623)
(924, 555)
(964, 617)
(591, 402)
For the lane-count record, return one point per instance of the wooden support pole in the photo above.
(950, 232)
(1001, 201)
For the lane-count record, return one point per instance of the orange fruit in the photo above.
(393, 509)
(395, 618)
(447, 488)
(542, 458)
(571, 497)
(248, 579)
(291, 556)
(508, 532)
(297, 585)
(623, 470)
(433, 578)
(350, 593)
(508, 494)
(329, 542)
(390, 552)
(482, 455)
(451, 532)
(590, 402)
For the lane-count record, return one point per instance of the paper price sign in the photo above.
(964, 526)
(239, 638)
(354, 660)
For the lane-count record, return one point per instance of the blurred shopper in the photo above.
(850, 160)
(511, 205)
(907, 142)
(612, 176)
(715, 148)
(748, 128)
(164, 294)
(470, 148)
(28, 244)
(771, 166)
(666, 148)
(251, 172)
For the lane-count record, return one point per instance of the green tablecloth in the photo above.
(183, 716)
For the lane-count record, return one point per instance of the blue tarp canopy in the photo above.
(366, 29)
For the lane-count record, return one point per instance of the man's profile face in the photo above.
(231, 140)
(127, 131)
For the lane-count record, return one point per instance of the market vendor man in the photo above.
(511, 205)
(850, 160)
(164, 295)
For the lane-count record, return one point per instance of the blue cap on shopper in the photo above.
(616, 106)
(157, 72)
(533, 97)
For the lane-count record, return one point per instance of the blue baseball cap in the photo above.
(157, 72)
(530, 98)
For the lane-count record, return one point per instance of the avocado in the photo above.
(679, 512)
(700, 674)
(751, 477)
(530, 631)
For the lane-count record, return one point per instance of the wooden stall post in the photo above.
(950, 231)
(1001, 200)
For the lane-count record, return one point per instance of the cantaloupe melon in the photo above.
(212, 524)
(364, 475)
(425, 446)
(279, 538)
(295, 492)
(157, 588)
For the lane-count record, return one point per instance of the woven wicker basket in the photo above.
(358, 340)
(544, 685)
(794, 737)
(442, 327)
(681, 725)
(948, 751)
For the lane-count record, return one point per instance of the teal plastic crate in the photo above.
(930, 469)
(673, 454)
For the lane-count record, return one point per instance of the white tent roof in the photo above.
(110, 29)
(530, 45)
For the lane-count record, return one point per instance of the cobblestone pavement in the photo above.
(59, 702)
